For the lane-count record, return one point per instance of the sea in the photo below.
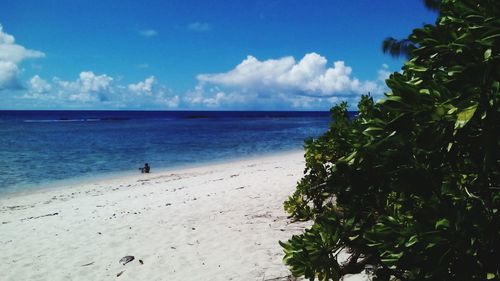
(43, 148)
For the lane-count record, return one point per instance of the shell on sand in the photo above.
(126, 259)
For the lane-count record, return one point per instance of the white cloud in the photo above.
(90, 90)
(143, 87)
(383, 73)
(282, 83)
(38, 85)
(150, 91)
(148, 32)
(89, 82)
(10, 51)
(172, 102)
(211, 98)
(8, 75)
(87, 88)
(37, 89)
(199, 26)
(6, 38)
(11, 54)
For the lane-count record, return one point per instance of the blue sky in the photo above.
(210, 55)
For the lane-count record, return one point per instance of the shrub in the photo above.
(410, 186)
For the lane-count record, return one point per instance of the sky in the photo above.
(198, 55)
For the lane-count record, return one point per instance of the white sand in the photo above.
(217, 222)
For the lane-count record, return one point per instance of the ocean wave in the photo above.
(54, 120)
(76, 120)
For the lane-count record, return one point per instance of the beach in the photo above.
(214, 222)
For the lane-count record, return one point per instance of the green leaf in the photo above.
(425, 91)
(411, 241)
(353, 237)
(490, 276)
(487, 54)
(285, 246)
(391, 258)
(464, 116)
(455, 70)
(417, 68)
(488, 40)
(373, 131)
(395, 98)
(442, 224)
(452, 110)
(430, 245)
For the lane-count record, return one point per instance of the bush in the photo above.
(410, 186)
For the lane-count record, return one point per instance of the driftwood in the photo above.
(37, 217)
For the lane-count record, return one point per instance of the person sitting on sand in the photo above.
(145, 169)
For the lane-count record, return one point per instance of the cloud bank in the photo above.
(90, 90)
(310, 83)
(273, 84)
(284, 83)
(11, 55)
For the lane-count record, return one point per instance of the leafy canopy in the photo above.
(410, 187)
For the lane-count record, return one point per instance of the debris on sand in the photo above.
(126, 259)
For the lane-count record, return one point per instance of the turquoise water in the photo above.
(42, 147)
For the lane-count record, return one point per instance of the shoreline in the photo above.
(96, 178)
(220, 221)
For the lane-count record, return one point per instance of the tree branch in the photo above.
(354, 266)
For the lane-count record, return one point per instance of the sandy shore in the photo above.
(216, 222)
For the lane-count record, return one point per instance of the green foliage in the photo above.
(404, 47)
(411, 185)
(396, 47)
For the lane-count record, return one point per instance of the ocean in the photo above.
(42, 148)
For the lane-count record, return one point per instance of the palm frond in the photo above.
(432, 5)
(397, 48)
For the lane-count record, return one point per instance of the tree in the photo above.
(410, 187)
(403, 47)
